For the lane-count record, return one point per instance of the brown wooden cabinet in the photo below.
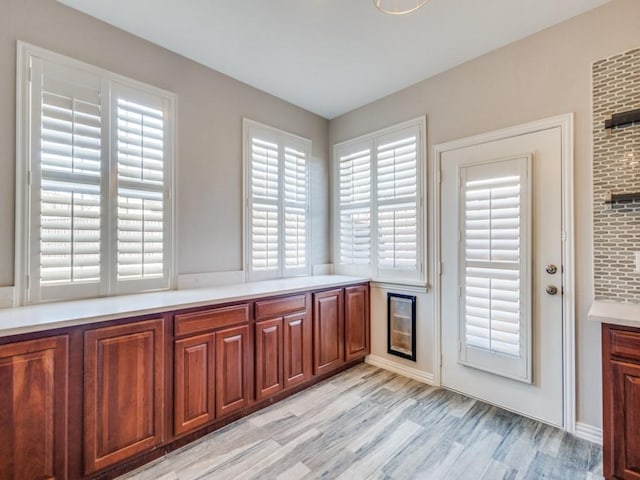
(33, 409)
(269, 358)
(356, 315)
(328, 331)
(123, 392)
(194, 382)
(210, 365)
(621, 395)
(232, 370)
(283, 344)
(297, 349)
(100, 399)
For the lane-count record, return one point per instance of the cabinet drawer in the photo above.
(207, 320)
(625, 344)
(280, 306)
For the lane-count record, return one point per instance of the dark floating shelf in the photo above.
(632, 117)
(621, 197)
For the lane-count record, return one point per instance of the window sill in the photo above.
(413, 287)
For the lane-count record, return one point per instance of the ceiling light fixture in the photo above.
(398, 7)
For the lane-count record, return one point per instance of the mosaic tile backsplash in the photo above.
(616, 169)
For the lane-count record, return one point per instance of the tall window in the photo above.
(277, 191)
(95, 174)
(379, 217)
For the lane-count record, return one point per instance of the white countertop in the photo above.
(36, 318)
(615, 313)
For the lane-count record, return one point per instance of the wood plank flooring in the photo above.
(367, 423)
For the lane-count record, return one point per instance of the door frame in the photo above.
(565, 123)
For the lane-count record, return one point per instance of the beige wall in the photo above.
(210, 110)
(541, 76)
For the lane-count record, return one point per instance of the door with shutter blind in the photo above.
(501, 231)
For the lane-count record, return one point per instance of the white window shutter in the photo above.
(141, 218)
(495, 322)
(397, 204)
(66, 204)
(354, 210)
(296, 197)
(264, 206)
(96, 212)
(277, 188)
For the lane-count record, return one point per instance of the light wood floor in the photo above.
(367, 423)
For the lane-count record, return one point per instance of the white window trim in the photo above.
(372, 269)
(249, 275)
(24, 53)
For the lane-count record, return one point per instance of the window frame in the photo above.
(27, 289)
(281, 138)
(372, 270)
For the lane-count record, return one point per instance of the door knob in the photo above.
(551, 269)
(552, 289)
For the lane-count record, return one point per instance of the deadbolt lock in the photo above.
(552, 289)
(551, 269)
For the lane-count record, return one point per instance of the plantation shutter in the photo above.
(354, 190)
(94, 181)
(66, 203)
(495, 228)
(265, 197)
(295, 210)
(398, 205)
(277, 202)
(141, 189)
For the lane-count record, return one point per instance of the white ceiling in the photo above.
(331, 56)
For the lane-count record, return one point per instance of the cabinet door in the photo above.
(194, 382)
(33, 409)
(356, 321)
(123, 392)
(328, 331)
(232, 362)
(626, 421)
(297, 349)
(269, 372)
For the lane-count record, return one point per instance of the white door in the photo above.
(501, 250)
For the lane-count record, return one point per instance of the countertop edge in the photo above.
(114, 308)
(615, 313)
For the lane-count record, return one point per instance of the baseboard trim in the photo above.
(394, 367)
(587, 432)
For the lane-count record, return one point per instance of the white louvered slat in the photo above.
(141, 184)
(98, 175)
(355, 207)
(140, 143)
(70, 156)
(493, 252)
(379, 205)
(397, 169)
(264, 170)
(355, 236)
(140, 235)
(264, 237)
(397, 194)
(397, 237)
(277, 185)
(295, 208)
(265, 180)
(69, 233)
